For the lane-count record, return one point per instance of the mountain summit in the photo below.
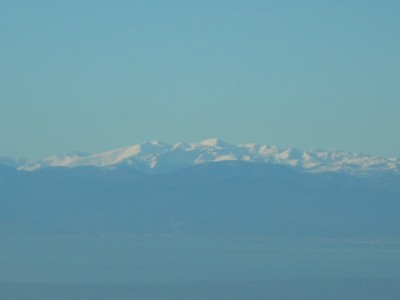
(215, 143)
(155, 156)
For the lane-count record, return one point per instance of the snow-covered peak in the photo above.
(214, 142)
(292, 153)
(182, 146)
(155, 144)
(151, 147)
(156, 156)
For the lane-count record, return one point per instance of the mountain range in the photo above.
(206, 188)
(158, 157)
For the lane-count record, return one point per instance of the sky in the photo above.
(98, 75)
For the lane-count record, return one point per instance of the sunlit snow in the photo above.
(157, 156)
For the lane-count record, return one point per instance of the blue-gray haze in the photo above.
(168, 267)
(215, 231)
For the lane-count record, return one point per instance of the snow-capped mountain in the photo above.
(154, 156)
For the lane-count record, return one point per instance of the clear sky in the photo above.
(97, 75)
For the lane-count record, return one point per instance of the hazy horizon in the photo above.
(92, 77)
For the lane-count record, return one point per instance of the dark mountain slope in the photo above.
(228, 198)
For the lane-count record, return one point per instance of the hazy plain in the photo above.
(194, 267)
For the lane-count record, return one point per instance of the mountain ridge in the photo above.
(155, 156)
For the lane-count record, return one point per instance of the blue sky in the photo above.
(97, 75)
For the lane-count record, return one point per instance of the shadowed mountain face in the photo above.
(226, 198)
